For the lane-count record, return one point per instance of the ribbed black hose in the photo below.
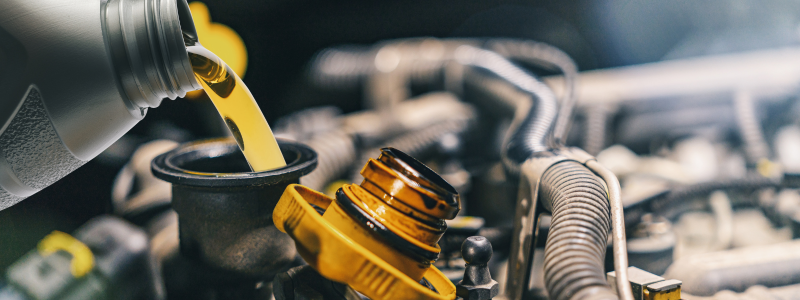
(680, 200)
(546, 56)
(576, 243)
(341, 67)
(336, 152)
(416, 143)
(596, 130)
(755, 145)
(345, 65)
(531, 135)
(673, 203)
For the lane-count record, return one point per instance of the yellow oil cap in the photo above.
(380, 237)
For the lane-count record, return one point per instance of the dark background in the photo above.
(282, 35)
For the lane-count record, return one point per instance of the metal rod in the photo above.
(617, 229)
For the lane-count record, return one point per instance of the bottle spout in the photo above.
(187, 24)
(147, 40)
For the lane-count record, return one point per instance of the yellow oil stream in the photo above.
(238, 108)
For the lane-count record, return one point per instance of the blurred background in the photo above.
(280, 39)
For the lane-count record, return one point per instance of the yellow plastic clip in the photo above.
(82, 257)
(337, 257)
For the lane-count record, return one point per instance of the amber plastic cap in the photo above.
(407, 180)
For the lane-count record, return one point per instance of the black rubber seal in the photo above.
(220, 163)
(441, 186)
(387, 235)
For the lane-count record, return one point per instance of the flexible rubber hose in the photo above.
(546, 56)
(596, 132)
(675, 202)
(341, 67)
(416, 143)
(531, 136)
(755, 144)
(576, 243)
(336, 152)
(679, 200)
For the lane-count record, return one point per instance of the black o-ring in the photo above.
(390, 237)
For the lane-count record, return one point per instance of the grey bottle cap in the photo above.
(146, 40)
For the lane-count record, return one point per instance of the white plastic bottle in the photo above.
(75, 75)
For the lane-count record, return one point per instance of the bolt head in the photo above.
(480, 292)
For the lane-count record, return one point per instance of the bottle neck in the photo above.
(147, 40)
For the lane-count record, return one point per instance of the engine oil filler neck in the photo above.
(225, 211)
